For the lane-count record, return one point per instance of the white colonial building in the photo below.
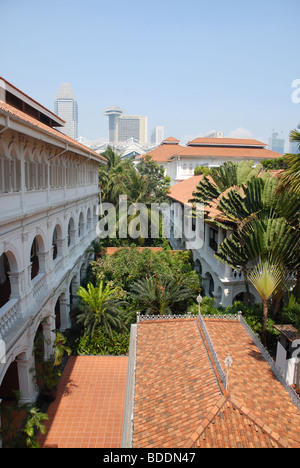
(202, 239)
(180, 161)
(49, 198)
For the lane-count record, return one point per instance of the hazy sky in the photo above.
(191, 66)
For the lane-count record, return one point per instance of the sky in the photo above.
(191, 66)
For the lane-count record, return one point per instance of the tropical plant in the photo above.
(156, 296)
(20, 424)
(114, 176)
(99, 308)
(262, 222)
(157, 182)
(223, 178)
(101, 343)
(128, 265)
(290, 177)
(265, 276)
(48, 371)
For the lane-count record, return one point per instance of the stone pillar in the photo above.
(49, 336)
(65, 321)
(17, 284)
(45, 261)
(27, 386)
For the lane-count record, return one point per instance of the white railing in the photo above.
(8, 316)
(39, 287)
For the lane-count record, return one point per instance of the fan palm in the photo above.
(224, 177)
(100, 308)
(265, 276)
(290, 177)
(156, 296)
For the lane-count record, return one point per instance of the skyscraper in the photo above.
(122, 127)
(65, 106)
(276, 144)
(157, 135)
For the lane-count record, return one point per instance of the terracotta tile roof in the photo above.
(230, 425)
(113, 250)
(179, 401)
(183, 191)
(227, 152)
(16, 114)
(168, 147)
(226, 142)
(171, 369)
(170, 140)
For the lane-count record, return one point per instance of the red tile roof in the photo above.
(168, 147)
(217, 151)
(183, 191)
(243, 142)
(18, 115)
(213, 148)
(114, 250)
(180, 402)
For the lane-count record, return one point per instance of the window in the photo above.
(213, 239)
(34, 259)
(10, 174)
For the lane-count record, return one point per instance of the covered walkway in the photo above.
(89, 407)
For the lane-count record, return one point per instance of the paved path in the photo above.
(89, 407)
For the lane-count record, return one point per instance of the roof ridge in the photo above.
(210, 357)
(239, 406)
(207, 420)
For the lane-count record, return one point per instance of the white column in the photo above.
(65, 321)
(27, 384)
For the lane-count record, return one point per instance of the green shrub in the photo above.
(101, 343)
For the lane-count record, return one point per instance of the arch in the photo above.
(73, 286)
(37, 247)
(209, 284)
(13, 258)
(9, 383)
(89, 219)
(81, 225)
(8, 268)
(198, 266)
(241, 297)
(57, 242)
(71, 232)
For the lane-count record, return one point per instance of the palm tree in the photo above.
(290, 177)
(262, 222)
(100, 308)
(156, 296)
(265, 276)
(220, 179)
(113, 178)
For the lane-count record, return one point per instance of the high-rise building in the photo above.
(132, 126)
(157, 135)
(66, 107)
(123, 127)
(276, 144)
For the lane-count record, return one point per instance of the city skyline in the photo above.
(192, 67)
(66, 107)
